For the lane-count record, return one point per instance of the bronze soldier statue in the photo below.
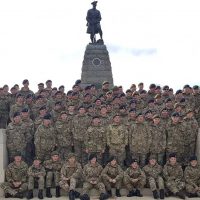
(93, 22)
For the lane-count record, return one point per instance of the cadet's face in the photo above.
(96, 121)
(18, 158)
(172, 160)
(71, 108)
(132, 114)
(190, 114)
(103, 110)
(36, 162)
(49, 84)
(175, 119)
(194, 163)
(140, 118)
(122, 110)
(134, 165)
(82, 110)
(63, 116)
(98, 102)
(156, 120)
(43, 112)
(106, 86)
(72, 159)
(17, 119)
(20, 99)
(113, 162)
(93, 161)
(164, 113)
(13, 91)
(6, 89)
(47, 122)
(55, 157)
(152, 162)
(117, 119)
(24, 114)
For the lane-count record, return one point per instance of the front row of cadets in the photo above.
(169, 180)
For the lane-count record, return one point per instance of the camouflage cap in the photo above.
(37, 158)
(156, 116)
(55, 153)
(70, 155)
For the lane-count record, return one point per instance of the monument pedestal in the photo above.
(96, 66)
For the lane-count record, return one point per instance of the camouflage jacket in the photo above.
(192, 175)
(36, 171)
(138, 173)
(54, 166)
(153, 171)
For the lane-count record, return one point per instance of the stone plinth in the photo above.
(3, 157)
(96, 66)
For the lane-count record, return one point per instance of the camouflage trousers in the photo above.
(110, 185)
(68, 185)
(120, 154)
(79, 148)
(88, 186)
(142, 158)
(33, 180)
(156, 183)
(10, 189)
(50, 176)
(175, 185)
(64, 151)
(130, 185)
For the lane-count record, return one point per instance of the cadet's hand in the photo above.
(110, 180)
(102, 151)
(65, 179)
(114, 181)
(87, 151)
(134, 180)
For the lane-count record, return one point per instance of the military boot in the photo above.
(155, 194)
(190, 195)
(57, 191)
(131, 193)
(19, 195)
(118, 193)
(40, 194)
(85, 197)
(180, 194)
(71, 195)
(138, 193)
(162, 194)
(48, 192)
(7, 195)
(76, 194)
(103, 196)
(29, 194)
(109, 192)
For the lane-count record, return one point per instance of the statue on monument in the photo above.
(93, 23)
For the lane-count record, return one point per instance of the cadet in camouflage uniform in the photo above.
(64, 135)
(53, 167)
(71, 173)
(45, 139)
(192, 178)
(117, 139)
(140, 137)
(79, 128)
(134, 179)
(36, 175)
(112, 175)
(173, 176)
(95, 139)
(92, 178)
(17, 137)
(153, 173)
(39, 119)
(16, 178)
(158, 140)
(196, 94)
(4, 109)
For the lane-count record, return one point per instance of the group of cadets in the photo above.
(67, 140)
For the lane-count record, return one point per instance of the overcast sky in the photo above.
(153, 41)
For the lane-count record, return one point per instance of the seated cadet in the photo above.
(134, 179)
(71, 173)
(53, 167)
(36, 174)
(192, 178)
(16, 178)
(173, 176)
(153, 173)
(92, 178)
(112, 175)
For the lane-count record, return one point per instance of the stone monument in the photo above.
(96, 66)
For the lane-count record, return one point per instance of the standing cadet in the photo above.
(71, 173)
(192, 178)
(95, 139)
(153, 173)
(53, 167)
(173, 176)
(112, 176)
(16, 178)
(134, 179)
(45, 139)
(92, 178)
(36, 174)
(117, 139)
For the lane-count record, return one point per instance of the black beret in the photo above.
(195, 87)
(172, 155)
(48, 81)
(25, 81)
(58, 92)
(112, 158)
(167, 100)
(74, 93)
(182, 100)
(58, 103)
(43, 108)
(95, 117)
(91, 156)
(122, 95)
(147, 112)
(62, 86)
(19, 95)
(128, 91)
(39, 97)
(29, 96)
(122, 107)
(186, 86)
(175, 114)
(69, 92)
(132, 110)
(139, 114)
(152, 86)
(166, 87)
(25, 110)
(179, 92)
(16, 114)
(40, 84)
(193, 158)
(151, 101)
(158, 87)
(77, 82)
(87, 88)
(47, 117)
(89, 106)
(133, 160)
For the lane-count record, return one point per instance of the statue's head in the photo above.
(94, 3)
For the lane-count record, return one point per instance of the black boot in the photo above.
(180, 194)
(71, 195)
(48, 192)
(103, 196)
(57, 191)
(138, 193)
(76, 194)
(109, 192)
(131, 193)
(7, 195)
(85, 197)
(40, 194)
(162, 194)
(29, 194)
(118, 193)
(155, 194)
(19, 195)
(190, 195)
